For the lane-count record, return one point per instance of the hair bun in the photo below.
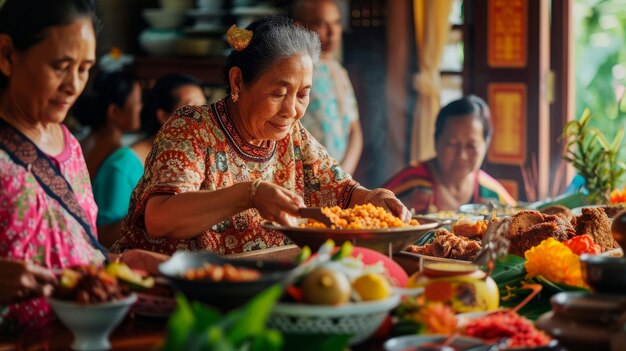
(238, 38)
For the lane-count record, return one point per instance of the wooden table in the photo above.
(135, 333)
(148, 333)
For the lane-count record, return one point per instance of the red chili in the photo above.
(521, 331)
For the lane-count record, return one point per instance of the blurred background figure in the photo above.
(453, 177)
(113, 108)
(122, 170)
(333, 115)
(168, 94)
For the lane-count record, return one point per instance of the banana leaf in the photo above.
(509, 274)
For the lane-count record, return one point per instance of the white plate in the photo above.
(410, 342)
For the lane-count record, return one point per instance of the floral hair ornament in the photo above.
(238, 38)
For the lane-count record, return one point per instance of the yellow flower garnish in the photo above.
(238, 38)
(555, 262)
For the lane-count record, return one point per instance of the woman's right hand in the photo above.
(276, 203)
(24, 280)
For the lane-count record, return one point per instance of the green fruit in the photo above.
(326, 287)
(69, 278)
(127, 275)
(344, 251)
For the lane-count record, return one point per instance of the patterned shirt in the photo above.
(35, 227)
(199, 148)
(415, 186)
(332, 108)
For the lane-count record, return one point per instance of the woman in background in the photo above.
(169, 93)
(453, 177)
(113, 108)
(120, 173)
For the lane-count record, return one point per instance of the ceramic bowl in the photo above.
(358, 319)
(210, 4)
(91, 324)
(164, 18)
(176, 4)
(604, 274)
(224, 295)
(411, 342)
(159, 42)
(199, 47)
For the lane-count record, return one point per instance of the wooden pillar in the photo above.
(562, 108)
(507, 64)
(399, 44)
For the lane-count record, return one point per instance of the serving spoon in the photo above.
(316, 214)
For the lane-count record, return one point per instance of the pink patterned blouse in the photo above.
(200, 149)
(34, 227)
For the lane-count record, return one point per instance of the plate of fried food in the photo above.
(218, 281)
(364, 225)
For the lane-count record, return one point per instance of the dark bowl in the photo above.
(385, 241)
(604, 274)
(224, 295)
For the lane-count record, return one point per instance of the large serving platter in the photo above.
(386, 241)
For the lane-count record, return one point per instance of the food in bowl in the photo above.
(216, 273)
(223, 294)
(91, 300)
(365, 216)
(494, 326)
(336, 278)
(88, 284)
(335, 293)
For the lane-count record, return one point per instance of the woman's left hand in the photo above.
(386, 199)
(147, 261)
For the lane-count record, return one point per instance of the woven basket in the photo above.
(360, 319)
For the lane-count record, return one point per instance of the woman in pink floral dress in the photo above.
(47, 210)
(215, 173)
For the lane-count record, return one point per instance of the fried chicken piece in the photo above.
(470, 229)
(595, 222)
(558, 209)
(448, 245)
(613, 210)
(534, 235)
(564, 223)
(530, 228)
(523, 220)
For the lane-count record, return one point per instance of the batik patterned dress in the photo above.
(416, 187)
(35, 227)
(199, 148)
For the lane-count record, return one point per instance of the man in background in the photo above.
(332, 116)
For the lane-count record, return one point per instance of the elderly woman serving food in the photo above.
(216, 172)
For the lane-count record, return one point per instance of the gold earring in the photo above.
(234, 96)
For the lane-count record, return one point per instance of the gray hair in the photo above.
(274, 38)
